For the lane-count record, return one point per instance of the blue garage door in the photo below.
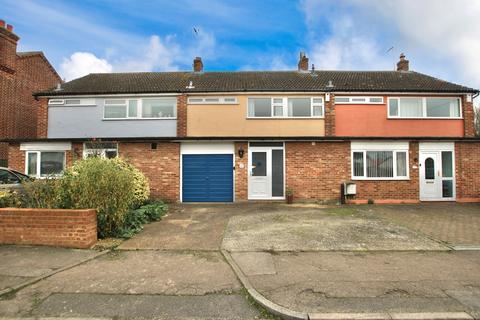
(207, 178)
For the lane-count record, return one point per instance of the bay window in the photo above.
(426, 107)
(278, 107)
(379, 161)
(42, 164)
(147, 108)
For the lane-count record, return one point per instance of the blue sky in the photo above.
(439, 37)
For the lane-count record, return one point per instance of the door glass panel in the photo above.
(429, 168)
(32, 164)
(259, 164)
(277, 173)
(447, 188)
(447, 164)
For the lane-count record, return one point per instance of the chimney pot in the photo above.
(303, 62)
(403, 64)
(10, 27)
(197, 64)
(2, 23)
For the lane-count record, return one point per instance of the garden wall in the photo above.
(52, 227)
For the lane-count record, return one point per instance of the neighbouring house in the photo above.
(21, 75)
(398, 136)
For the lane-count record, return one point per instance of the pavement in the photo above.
(352, 262)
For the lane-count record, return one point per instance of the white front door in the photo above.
(437, 181)
(260, 175)
(266, 170)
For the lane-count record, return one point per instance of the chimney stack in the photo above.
(303, 62)
(197, 64)
(403, 64)
(8, 48)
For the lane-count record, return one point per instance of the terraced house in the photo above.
(395, 136)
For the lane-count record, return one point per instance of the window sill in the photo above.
(135, 119)
(380, 179)
(285, 118)
(422, 118)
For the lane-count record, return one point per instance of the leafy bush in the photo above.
(141, 187)
(101, 184)
(135, 219)
(8, 199)
(40, 194)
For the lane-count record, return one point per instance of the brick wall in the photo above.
(53, 227)
(20, 76)
(467, 171)
(316, 172)
(42, 118)
(468, 117)
(330, 117)
(241, 174)
(161, 166)
(182, 115)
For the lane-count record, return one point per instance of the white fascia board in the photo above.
(46, 146)
(379, 145)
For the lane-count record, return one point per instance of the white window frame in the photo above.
(221, 100)
(284, 105)
(39, 160)
(84, 102)
(103, 151)
(367, 100)
(139, 109)
(394, 147)
(424, 108)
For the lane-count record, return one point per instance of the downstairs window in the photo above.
(43, 164)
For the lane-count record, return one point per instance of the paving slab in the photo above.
(320, 230)
(255, 263)
(20, 264)
(373, 282)
(146, 272)
(213, 306)
(454, 223)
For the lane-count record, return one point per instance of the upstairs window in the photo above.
(154, 108)
(358, 100)
(212, 100)
(428, 107)
(297, 107)
(71, 102)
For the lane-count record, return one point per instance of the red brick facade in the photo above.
(468, 117)
(241, 174)
(52, 227)
(160, 165)
(467, 171)
(21, 75)
(182, 116)
(330, 116)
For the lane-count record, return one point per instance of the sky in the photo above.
(439, 37)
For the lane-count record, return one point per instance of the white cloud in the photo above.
(82, 63)
(159, 54)
(439, 37)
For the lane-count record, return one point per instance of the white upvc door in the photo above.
(430, 179)
(260, 174)
(266, 167)
(437, 172)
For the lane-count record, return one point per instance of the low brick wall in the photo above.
(51, 227)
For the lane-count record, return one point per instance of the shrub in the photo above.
(101, 184)
(40, 194)
(135, 219)
(141, 187)
(8, 199)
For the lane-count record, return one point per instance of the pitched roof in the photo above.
(257, 81)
